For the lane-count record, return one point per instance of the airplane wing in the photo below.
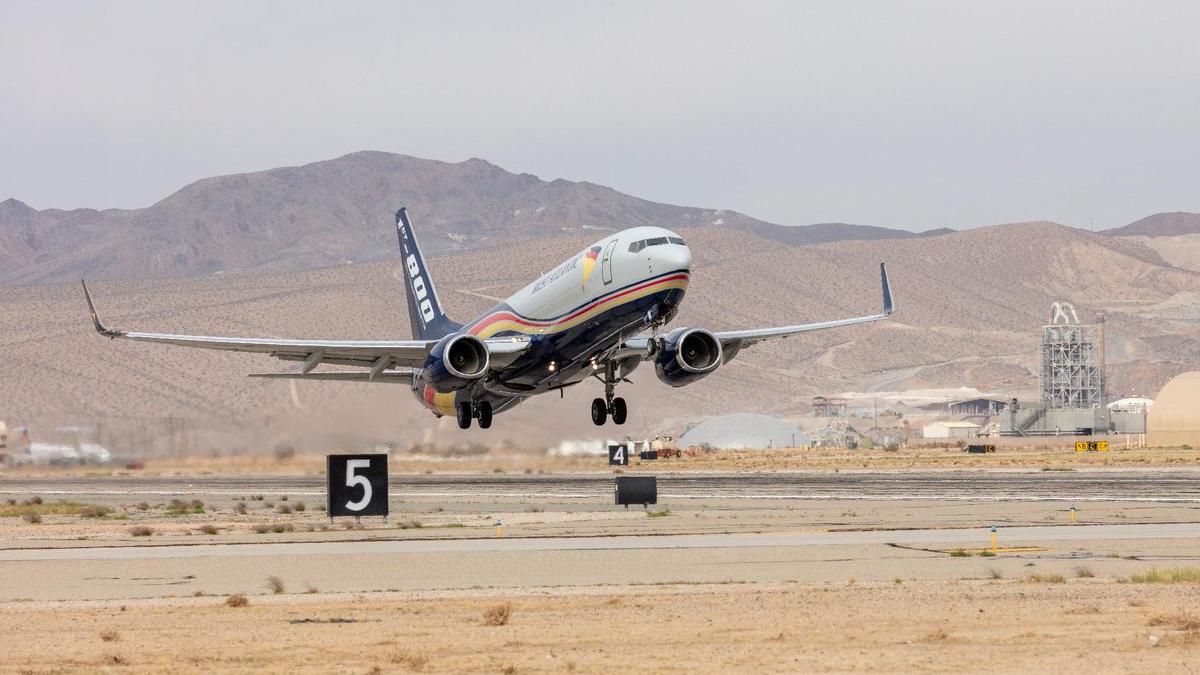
(378, 355)
(732, 341)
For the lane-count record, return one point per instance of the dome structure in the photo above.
(1174, 418)
(744, 431)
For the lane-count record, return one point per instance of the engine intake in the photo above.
(455, 362)
(687, 355)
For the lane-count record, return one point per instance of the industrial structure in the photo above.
(1072, 382)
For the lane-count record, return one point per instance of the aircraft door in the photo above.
(606, 262)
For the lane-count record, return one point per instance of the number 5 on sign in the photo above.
(357, 485)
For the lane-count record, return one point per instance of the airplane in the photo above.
(596, 315)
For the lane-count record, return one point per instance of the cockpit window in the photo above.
(655, 241)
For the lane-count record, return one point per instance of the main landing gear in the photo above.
(468, 411)
(602, 408)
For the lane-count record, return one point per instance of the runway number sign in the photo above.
(357, 485)
(618, 454)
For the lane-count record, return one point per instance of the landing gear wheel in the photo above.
(619, 410)
(464, 415)
(599, 411)
(483, 411)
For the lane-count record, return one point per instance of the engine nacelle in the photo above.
(687, 354)
(455, 362)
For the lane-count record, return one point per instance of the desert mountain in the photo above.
(339, 211)
(969, 310)
(1160, 225)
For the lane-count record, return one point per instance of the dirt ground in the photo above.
(1078, 625)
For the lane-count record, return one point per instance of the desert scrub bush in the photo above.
(275, 584)
(498, 614)
(109, 635)
(1177, 621)
(208, 529)
(261, 528)
(281, 528)
(959, 553)
(658, 514)
(141, 531)
(94, 511)
(32, 518)
(410, 659)
(1048, 578)
(1171, 575)
(179, 507)
(410, 525)
(1084, 572)
(240, 508)
(285, 509)
(237, 600)
(299, 507)
(143, 506)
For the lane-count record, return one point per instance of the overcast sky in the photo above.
(905, 114)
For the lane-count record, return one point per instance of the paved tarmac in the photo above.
(1134, 485)
(1060, 535)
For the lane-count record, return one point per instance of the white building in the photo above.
(950, 430)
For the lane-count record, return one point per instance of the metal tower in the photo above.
(1072, 361)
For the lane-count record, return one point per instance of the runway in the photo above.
(939, 537)
(1133, 485)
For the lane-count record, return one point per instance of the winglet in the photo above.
(107, 332)
(888, 306)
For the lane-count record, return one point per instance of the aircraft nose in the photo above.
(675, 257)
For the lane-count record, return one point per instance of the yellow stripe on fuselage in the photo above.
(507, 325)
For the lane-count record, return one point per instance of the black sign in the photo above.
(636, 490)
(618, 454)
(358, 485)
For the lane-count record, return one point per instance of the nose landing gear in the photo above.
(602, 408)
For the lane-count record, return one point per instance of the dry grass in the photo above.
(1082, 572)
(237, 600)
(109, 635)
(275, 584)
(936, 636)
(208, 529)
(1171, 575)
(141, 531)
(115, 660)
(498, 614)
(410, 659)
(1048, 578)
(1184, 620)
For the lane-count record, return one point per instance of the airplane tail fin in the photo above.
(425, 313)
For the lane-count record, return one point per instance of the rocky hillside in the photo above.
(339, 211)
(1160, 225)
(970, 307)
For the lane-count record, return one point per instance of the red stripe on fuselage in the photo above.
(509, 316)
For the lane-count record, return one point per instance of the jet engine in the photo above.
(456, 361)
(686, 355)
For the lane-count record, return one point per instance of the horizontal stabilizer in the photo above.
(394, 376)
